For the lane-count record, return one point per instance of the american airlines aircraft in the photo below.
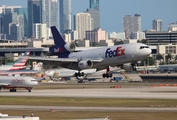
(13, 82)
(19, 64)
(36, 69)
(99, 58)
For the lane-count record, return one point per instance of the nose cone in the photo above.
(35, 83)
(148, 52)
(145, 52)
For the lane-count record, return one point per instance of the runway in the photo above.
(140, 92)
(76, 108)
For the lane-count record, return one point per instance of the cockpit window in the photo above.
(141, 47)
(33, 80)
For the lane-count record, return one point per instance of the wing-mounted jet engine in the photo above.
(129, 66)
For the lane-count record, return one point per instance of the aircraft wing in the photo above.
(39, 79)
(4, 84)
(64, 59)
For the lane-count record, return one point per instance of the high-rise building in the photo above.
(96, 35)
(34, 14)
(157, 25)
(44, 12)
(7, 9)
(16, 32)
(9, 18)
(65, 15)
(40, 31)
(82, 23)
(24, 12)
(95, 14)
(50, 12)
(1, 24)
(131, 24)
(94, 4)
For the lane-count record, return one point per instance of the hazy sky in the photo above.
(112, 11)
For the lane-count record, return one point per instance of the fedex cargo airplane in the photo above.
(98, 58)
(13, 82)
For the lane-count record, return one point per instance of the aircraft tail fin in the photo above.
(38, 66)
(60, 48)
(58, 40)
(20, 63)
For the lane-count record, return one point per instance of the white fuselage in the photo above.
(64, 72)
(17, 81)
(115, 55)
(168, 68)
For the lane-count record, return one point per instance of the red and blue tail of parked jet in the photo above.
(20, 64)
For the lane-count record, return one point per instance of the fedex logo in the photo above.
(113, 53)
(56, 50)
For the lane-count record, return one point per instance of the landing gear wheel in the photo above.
(79, 74)
(104, 75)
(13, 90)
(107, 75)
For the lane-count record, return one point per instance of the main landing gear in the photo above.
(108, 74)
(79, 74)
(13, 90)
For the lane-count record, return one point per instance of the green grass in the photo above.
(96, 102)
(61, 115)
(87, 85)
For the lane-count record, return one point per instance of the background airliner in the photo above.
(99, 58)
(64, 72)
(13, 82)
(167, 68)
(35, 70)
(19, 64)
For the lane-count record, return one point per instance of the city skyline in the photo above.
(111, 17)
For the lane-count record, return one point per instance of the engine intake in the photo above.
(70, 47)
(85, 64)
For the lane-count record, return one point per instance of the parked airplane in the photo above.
(167, 68)
(13, 82)
(19, 64)
(36, 69)
(99, 58)
(64, 72)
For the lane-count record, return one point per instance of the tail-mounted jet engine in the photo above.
(67, 48)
